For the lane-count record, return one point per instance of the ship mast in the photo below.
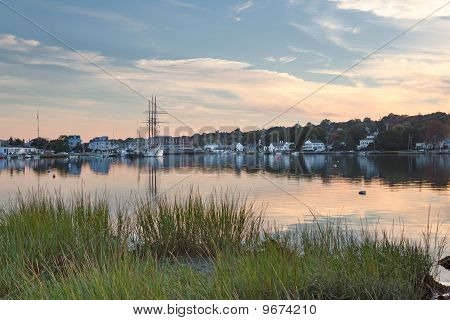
(152, 122)
(38, 125)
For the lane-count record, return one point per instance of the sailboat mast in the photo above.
(138, 136)
(154, 119)
(150, 123)
(38, 125)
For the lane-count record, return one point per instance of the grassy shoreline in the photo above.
(196, 248)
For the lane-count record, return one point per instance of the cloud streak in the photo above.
(398, 9)
(238, 9)
(184, 4)
(13, 43)
(117, 20)
(282, 60)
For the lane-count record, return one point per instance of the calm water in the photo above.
(400, 188)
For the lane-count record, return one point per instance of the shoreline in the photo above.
(295, 153)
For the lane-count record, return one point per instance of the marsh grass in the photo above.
(55, 248)
(193, 226)
(330, 262)
(41, 234)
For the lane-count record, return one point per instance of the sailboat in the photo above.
(154, 149)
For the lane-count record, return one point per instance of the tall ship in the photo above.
(154, 147)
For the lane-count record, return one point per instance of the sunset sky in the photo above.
(217, 64)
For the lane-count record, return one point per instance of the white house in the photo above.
(423, 146)
(367, 141)
(18, 151)
(364, 143)
(101, 144)
(313, 146)
(282, 147)
(210, 147)
(239, 147)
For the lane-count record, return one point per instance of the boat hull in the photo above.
(154, 152)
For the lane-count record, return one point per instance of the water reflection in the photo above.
(400, 188)
(393, 170)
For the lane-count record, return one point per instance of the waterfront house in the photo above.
(18, 151)
(210, 147)
(365, 143)
(173, 144)
(313, 146)
(282, 147)
(239, 147)
(74, 141)
(101, 144)
(424, 146)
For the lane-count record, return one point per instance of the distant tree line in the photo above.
(395, 132)
(60, 144)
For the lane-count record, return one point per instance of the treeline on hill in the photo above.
(395, 132)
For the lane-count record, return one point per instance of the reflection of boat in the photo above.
(102, 155)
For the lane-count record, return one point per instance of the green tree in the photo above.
(435, 132)
(16, 142)
(60, 145)
(392, 139)
(40, 143)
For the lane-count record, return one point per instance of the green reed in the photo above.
(56, 248)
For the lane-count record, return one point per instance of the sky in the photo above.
(217, 65)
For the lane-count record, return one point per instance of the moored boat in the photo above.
(154, 149)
